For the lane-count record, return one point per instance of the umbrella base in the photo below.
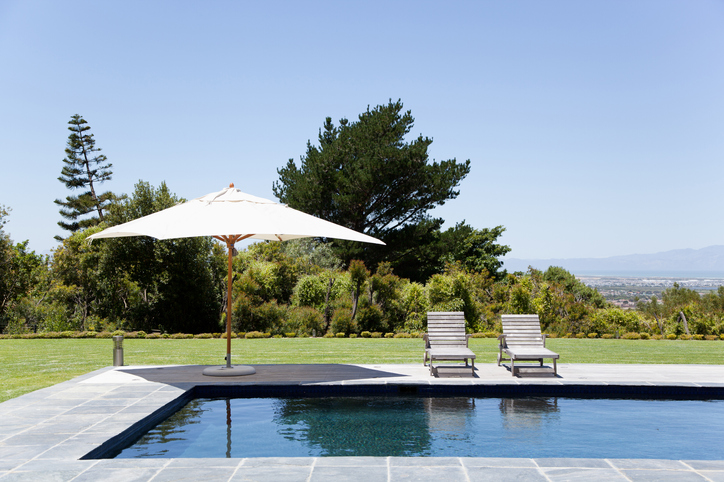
(236, 371)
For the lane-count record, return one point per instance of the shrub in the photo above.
(141, 334)
(657, 337)
(256, 334)
(698, 337)
(645, 336)
(328, 335)
(478, 335)
(607, 336)
(631, 335)
(711, 337)
(403, 335)
(241, 334)
(203, 335)
(216, 335)
(671, 336)
(353, 335)
(389, 335)
(365, 334)
(103, 334)
(376, 334)
(684, 337)
(341, 334)
(277, 336)
(153, 336)
(290, 335)
(342, 321)
(593, 335)
(303, 319)
(181, 336)
(580, 335)
(233, 335)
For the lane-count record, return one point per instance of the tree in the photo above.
(365, 176)
(84, 168)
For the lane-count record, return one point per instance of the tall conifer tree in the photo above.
(84, 169)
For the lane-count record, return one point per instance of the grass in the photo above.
(29, 365)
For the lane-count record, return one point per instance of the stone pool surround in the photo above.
(45, 435)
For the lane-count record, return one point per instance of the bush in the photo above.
(233, 335)
(141, 334)
(644, 336)
(216, 335)
(181, 336)
(403, 335)
(711, 337)
(103, 334)
(478, 335)
(593, 335)
(277, 336)
(256, 334)
(341, 334)
(657, 337)
(290, 335)
(698, 337)
(353, 335)
(328, 335)
(203, 335)
(376, 334)
(607, 336)
(580, 335)
(153, 336)
(631, 336)
(303, 319)
(684, 337)
(389, 335)
(342, 321)
(366, 334)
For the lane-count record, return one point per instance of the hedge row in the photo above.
(364, 334)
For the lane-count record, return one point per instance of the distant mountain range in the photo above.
(693, 262)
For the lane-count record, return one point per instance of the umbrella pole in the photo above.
(228, 370)
(230, 248)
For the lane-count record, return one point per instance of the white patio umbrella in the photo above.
(231, 216)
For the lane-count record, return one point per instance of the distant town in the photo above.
(626, 291)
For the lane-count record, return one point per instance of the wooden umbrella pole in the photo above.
(230, 241)
(230, 247)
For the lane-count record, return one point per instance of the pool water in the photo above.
(417, 426)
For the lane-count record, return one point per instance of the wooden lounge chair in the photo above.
(523, 340)
(446, 339)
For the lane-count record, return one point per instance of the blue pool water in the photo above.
(460, 427)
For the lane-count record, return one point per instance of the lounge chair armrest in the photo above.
(426, 339)
(501, 341)
(467, 337)
(544, 336)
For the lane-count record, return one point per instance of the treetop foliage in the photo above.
(365, 176)
(84, 169)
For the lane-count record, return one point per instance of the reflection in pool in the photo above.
(417, 426)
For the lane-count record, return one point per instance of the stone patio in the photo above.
(44, 434)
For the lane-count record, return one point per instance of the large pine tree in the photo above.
(84, 169)
(366, 176)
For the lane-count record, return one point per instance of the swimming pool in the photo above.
(531, 427)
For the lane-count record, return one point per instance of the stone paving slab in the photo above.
(44, 434)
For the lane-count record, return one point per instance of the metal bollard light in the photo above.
(117, 351)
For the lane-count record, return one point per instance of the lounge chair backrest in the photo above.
(446, 328)
(522, 330)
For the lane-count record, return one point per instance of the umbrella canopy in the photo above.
(230, 216)
(232, 212)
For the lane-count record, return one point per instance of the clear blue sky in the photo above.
(594, 128)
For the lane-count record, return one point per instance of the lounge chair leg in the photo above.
(555, 368)
(512, 366)
(472, 364)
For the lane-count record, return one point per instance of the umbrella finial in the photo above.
(231, 184)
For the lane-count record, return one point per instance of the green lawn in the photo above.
(29, 365)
